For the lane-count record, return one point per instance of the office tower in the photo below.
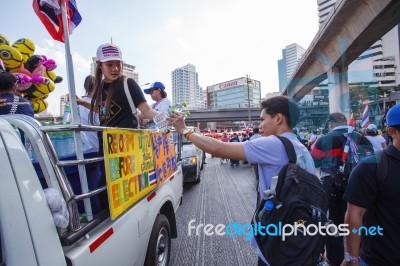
(185, 87)
(324, 7)
(237, 93)
(291, 56)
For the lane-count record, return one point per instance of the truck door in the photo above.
(28, 234)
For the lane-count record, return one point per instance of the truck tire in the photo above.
(198, 177)
(159, 249)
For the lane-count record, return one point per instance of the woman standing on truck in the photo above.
(109, 99)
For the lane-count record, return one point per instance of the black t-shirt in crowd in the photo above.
(381, 199)
(120, 113)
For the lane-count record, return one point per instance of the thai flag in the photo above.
(152, 178)
(49, 12)
(110, 50)
(365, 117)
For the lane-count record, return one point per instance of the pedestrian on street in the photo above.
(327, 154)
(278, 116)
(372, 196)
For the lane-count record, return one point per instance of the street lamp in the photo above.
(248, 99)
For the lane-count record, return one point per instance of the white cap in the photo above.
(108, 52)
(372, 127)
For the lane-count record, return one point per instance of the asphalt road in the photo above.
(225, 195)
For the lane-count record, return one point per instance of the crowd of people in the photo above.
(368, 199)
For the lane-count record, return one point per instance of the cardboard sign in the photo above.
(164, 156)
(129, 166)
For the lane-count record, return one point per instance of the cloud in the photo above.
(173, 23)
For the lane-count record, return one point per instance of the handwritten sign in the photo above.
(130, 174)
(164, 156)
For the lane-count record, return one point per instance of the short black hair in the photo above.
(256, 130)
(282, 105)
(337, 118)
(7, 81)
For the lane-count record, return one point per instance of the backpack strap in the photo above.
(289, 149)
(129, 97)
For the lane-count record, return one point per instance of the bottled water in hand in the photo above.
(161, 122)
(161, 119)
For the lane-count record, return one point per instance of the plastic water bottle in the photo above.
(161, 122)
(67, 114)
(266, 211)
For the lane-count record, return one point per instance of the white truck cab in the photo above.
(140, 235)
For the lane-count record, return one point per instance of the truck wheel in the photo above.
(158, 251)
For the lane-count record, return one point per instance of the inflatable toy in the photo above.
(38, 105)
(11, 57)
(4, 40)
(35, 73)
(26, 47)
(40, 90)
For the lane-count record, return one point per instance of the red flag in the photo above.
(352, 121)
(49, 12)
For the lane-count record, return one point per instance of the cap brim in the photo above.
(147, 91)
(110, 59)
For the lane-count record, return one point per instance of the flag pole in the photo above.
(74, 108)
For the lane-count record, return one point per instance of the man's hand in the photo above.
(176, 120)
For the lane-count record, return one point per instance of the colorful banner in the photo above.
(164, 156)
(130, 174)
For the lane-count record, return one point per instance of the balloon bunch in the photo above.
(35, 73)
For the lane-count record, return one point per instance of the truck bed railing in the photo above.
(53, 170)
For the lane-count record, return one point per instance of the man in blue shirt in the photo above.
(278, 116)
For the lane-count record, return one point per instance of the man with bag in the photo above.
(372, 197)
(331, 153)
(278, 116)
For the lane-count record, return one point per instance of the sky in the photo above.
(224, 39)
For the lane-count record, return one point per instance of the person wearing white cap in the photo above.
(161, 104)
(109, 99)
(377, 141)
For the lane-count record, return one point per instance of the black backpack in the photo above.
(355, 152)
(299, 196)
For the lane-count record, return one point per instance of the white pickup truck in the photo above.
(141, 235)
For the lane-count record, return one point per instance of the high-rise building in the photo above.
(291, 56)
(375, 66)
(324, 7)
(185, 87)
(237, 93)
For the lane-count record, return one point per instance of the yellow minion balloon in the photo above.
(4, 40)
(26, 47)
(40, 90)
(38, 105)
(11, 58)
